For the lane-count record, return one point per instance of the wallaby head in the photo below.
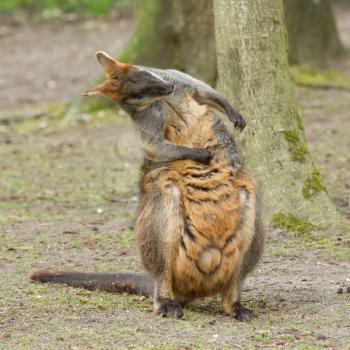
(129, 84)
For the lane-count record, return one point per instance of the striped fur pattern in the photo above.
(196, 222)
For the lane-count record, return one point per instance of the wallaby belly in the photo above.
(211, 243)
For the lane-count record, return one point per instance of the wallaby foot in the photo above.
(241, 313)
(164, 303)
(170, 308)
(231, 304)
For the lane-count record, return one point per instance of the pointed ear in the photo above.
(95, 91)
(110, 65)
(107, 88)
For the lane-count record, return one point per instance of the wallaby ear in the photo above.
(110, 65)
(107, 88)
(95, 91)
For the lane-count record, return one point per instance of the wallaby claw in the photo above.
(241, 313)
(171, 308)
(237, 120)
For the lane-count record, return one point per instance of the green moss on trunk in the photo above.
(314, 184)
(297, 147)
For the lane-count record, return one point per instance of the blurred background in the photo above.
(48, 46)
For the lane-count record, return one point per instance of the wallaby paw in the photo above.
(237, 120)
(170, 308)
(241, 313)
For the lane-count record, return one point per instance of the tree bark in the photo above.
(175, 34)
(251, 44)
(312, 32)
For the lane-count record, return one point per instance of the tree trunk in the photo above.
(253, 73)
(312, 32)
(175, 34)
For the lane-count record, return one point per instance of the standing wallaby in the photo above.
(198, 225)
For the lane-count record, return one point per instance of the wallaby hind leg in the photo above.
(232, 295)
(250, 260)
(231, 301)
(253, 254)
(251, 227)
(164, 302)
(158, 228)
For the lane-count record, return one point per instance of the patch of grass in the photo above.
(41, 179)
(313, 184)
(307, 231)
(293, 223)
(35, 114)
(288, 250)
(297, 147)
(126, 238)
(97, 104)
(305, 76)
(54, 8)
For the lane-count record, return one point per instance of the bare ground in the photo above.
(43, 62)
(67, 197)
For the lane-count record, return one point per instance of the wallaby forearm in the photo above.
(228, 145)
(149, 124)
(203, 94)
(218, 102)
(164, 151)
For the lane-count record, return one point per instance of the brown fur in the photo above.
(196, 222)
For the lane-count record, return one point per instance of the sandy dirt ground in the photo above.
(52, 61)
(68, 193)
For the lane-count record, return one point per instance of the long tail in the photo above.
(110, 282)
